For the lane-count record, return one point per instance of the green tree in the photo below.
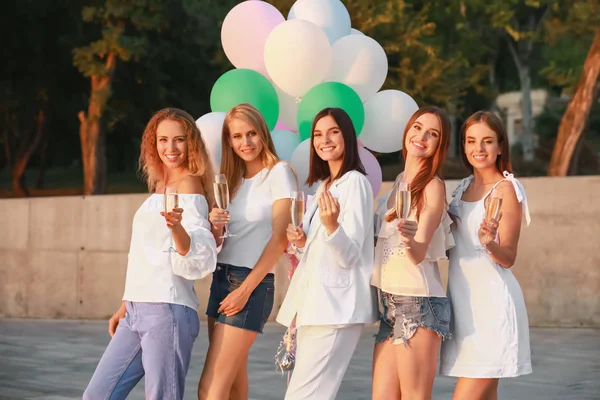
(124, 27)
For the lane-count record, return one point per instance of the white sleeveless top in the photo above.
(393, 272)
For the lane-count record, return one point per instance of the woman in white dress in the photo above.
(415, 310)
(490, 327)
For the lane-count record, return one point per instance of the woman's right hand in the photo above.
(218, 218)
(113, 322)
(295, 236)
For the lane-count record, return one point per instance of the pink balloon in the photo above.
(280, 125)
(245, 31)
(373, 169)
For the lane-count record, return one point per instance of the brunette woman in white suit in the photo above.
(330, 297)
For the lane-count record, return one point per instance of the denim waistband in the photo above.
(234, 268)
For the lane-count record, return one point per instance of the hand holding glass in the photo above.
(493, 206)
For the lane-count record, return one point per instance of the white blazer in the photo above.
(331, 285)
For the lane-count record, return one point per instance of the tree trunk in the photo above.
(454, 140)
(526, 112)
(576, 117)
(91, 132)
(43, 165)
(19, 185)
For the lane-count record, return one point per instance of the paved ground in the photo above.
(53, 360)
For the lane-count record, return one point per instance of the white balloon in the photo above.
(245, 31)
(355, 32)
(285, 143)
(330, 15)
(211, 127)
(359, 62)
(386, 115)
(301, 163)
(288, 109)
(297, 56)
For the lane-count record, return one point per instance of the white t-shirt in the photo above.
(251, 212)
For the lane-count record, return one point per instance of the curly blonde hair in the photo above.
(198, 161)
(232, 166)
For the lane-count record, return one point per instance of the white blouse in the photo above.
(393, 271)
(156, 275)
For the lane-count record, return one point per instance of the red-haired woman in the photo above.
(415, 310)
(154, 329)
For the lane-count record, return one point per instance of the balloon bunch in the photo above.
(292, 69)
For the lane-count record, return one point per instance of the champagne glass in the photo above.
(171, 201)
(222, 197)
(403, 203)
(493, 206)
(297, 210)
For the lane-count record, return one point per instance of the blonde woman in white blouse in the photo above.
(154, 329)
(415, 310)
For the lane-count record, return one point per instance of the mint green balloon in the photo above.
(329, 94)
(245, 86)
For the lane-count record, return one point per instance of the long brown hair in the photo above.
(432, 167)
(232, 166)
(494, 123)
(319, 169)
(198, 162)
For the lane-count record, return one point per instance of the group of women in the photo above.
(356, 267)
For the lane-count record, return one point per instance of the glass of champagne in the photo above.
(297, 210)
(403, 203)
(494, 206)
(222, 197)
(171, 201)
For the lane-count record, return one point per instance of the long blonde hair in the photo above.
(198, 161)
(232, 166)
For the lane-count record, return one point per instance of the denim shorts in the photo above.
(255, 313)
(402, 315)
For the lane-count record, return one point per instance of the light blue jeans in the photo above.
(155, 340)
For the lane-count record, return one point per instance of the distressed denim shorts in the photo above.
(402, 315)
(255, 313)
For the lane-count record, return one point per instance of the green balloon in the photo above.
(245, 86)
(329, 94)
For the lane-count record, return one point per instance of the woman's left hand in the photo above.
(173, 218)
(329, 211)
(234, 302)
(487, 231)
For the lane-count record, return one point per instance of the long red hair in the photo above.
(432, 167)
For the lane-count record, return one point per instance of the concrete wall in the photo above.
(65, 257)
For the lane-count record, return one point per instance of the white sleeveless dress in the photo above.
(490, 327)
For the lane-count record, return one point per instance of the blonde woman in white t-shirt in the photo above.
(154, 329)
(415, 310)
(242, 290)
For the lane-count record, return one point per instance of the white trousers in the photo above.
(322, 357)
